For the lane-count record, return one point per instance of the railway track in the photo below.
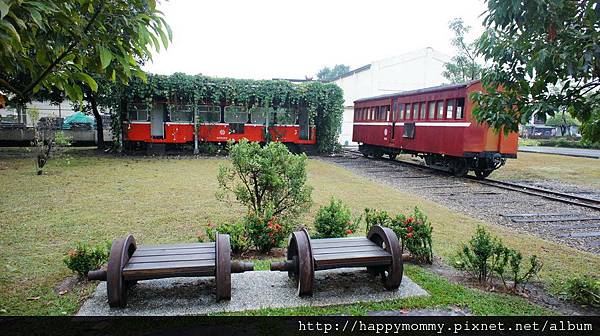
(525, 189)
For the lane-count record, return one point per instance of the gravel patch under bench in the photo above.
(250, 290)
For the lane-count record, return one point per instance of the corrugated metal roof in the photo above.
(419, 91)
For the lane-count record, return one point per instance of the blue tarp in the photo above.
(79, 119)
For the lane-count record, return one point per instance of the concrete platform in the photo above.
(577, 152)
(250, 290)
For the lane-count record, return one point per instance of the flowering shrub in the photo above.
(84, 258)
(238, 236)
(415, 231)
(266, 231)
(376, 217)
(334, 220)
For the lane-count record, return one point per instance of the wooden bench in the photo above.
(379, 252)
(129, 263)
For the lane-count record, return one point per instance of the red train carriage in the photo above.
(169, 123)
(434, 123)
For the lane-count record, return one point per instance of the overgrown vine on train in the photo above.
(324, 101)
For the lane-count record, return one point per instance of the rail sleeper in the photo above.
(129, 263)
(379, 252)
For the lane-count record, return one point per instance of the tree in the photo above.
(267, 178)
(564, 121)
(544, 58)
(61, 44)
(463, 67)
(327, 74)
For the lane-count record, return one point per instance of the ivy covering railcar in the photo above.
(183, 109)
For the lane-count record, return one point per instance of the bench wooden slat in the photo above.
(177, 257)
(352, 259)
(169, 269)
(140, 253)
(346, 249)
(176, 246)
(354, 242)
(335, 240)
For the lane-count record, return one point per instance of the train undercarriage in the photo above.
(482, 164)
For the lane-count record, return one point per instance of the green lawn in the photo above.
(94, 199)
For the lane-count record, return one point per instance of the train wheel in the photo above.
(459, 167)
(377, 154)
(393, 156)
(483, 173)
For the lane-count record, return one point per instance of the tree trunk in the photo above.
(98, 117)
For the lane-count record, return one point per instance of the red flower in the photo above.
(409, 229)
(348, 231)
(409, 220)
(410, 235)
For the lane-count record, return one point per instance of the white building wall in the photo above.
(410, 71)
(46, 109)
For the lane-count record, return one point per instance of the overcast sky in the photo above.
(263, 39)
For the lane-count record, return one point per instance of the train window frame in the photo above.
(440, 108)
(400, 115)
(178, 111)
(431, 110)
(423, 111)
(450, 113)
(460, 106)
(207, 111)
(394, 109)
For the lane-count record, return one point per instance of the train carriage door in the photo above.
(392, 122)
(157, 119)
(304, 123)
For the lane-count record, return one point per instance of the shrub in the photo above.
(415, 232)
(238, 236)
(485, 256)
(584, 290)
(334, 220)
(266, 231)
(208, 148)
(376, 217)
(84, 258)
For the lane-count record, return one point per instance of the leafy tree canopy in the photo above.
(544, 57)
(327, 73)
(463, 67)
(61, 44)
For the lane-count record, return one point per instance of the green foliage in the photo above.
(334, 220)
(324, 102)
(238, 236)
(544, 55)
(569, 143)
(463, 67)
(266, 230)
(327, 74)
(415, 232)
(84, 258)
(266, 177)
(584, 290)
(562, 119)
(376, 217)
(485, 256)
(61, 44)
(208, 148)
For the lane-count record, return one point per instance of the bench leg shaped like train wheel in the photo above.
(386, 238)
(303, 272)
(223, 267)
(116, 286)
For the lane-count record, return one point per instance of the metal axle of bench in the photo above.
(122, 250)
(301, 264)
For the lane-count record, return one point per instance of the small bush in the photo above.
(584, 290)
(334, 220)
(208, 148)
(238, 236)
(485, 256)
(376, 217)
(266, 231)
(84, 258)
(415, 232)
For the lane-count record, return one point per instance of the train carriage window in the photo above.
(138, 112)
(285, 116)
(449, 108)
(400, 114)
(440, 109)
(209, 113)
(431, 110)
(409, 109)
(181, 113)
(423, 111)
(460, 106)
(258, 115)
(395, 109)
(236, 114)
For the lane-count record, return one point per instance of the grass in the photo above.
(528, 142)
(94, 199)
(443, 294)
(534, 166)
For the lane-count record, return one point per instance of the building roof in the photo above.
(419, 91)
(350, 73)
